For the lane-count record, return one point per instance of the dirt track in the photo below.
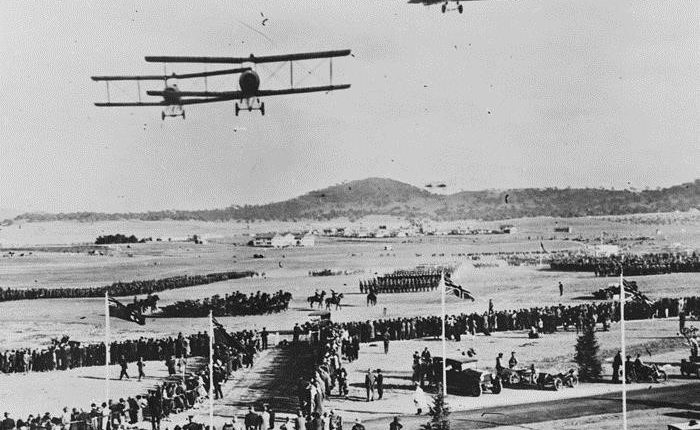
(685, 397)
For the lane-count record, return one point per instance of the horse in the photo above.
(371, 298)
(334, 300)
(316, 298)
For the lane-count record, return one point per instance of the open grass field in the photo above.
(34, 323)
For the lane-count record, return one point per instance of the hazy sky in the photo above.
(580, 93)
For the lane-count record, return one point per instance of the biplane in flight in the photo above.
(445, 4)
(249, 82)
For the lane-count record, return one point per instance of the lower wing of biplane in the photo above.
(249, 92)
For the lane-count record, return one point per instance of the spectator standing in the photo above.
(140, 365)
(124, 365)
(380, 384)
(369, 385)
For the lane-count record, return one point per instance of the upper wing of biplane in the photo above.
(171, 76)
(251, 59)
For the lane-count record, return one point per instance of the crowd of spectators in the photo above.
(631, 265)
(67, 354)
(235, 304)
(118, 289)
(180, 392)
(545, 319)
(326, 374)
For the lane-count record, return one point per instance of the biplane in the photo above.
(445, 4)
(249, 82)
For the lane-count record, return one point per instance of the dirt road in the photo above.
(684, 397)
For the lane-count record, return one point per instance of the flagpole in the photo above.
(211, 370)
(622, 343)
(444, 346)
(107, 347)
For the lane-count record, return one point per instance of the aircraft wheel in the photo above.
(262, 109)
(237, 109)
(460, 8)
(444, 8)
(162, 116)
(183, 114)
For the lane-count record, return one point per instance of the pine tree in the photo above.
(587, 355)
(439, 414)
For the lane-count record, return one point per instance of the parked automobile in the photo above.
(465, 380)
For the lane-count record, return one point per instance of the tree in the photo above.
(587, 355)
(439, 413)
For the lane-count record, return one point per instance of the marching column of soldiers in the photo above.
(403, 281)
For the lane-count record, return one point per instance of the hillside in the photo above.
(379, 196)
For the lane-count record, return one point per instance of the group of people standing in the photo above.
(121, 289)
(631, 265)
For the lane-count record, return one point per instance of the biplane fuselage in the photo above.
(249, 83)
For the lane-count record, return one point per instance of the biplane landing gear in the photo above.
(250, 106)
(172, 111)
(444, 8)
(460, 8)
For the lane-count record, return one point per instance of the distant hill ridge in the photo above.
(380, 196)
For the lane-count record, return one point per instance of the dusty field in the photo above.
(34, 323)
(26, 323)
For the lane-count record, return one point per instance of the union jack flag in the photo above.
(457, 290)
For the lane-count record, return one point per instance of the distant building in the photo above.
(507, 229)
(263, 240)
(283, 240)
(305, 240)
(274, 240)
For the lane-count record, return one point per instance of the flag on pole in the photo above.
(631, 288)
(119, 310)
(221, 336)
(457, 290)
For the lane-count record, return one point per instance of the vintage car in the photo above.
(527, 377)
(690, 366)
(465, 380)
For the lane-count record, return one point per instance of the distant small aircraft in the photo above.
(438, 185)
(445, 4)
(249, 83)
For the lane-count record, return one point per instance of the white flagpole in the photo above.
(444, 346)
(622, 342)
(107, 347)
(211, 370)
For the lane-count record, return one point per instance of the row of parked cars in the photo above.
(463, 379)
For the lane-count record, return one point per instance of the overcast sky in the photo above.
(513, 93)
